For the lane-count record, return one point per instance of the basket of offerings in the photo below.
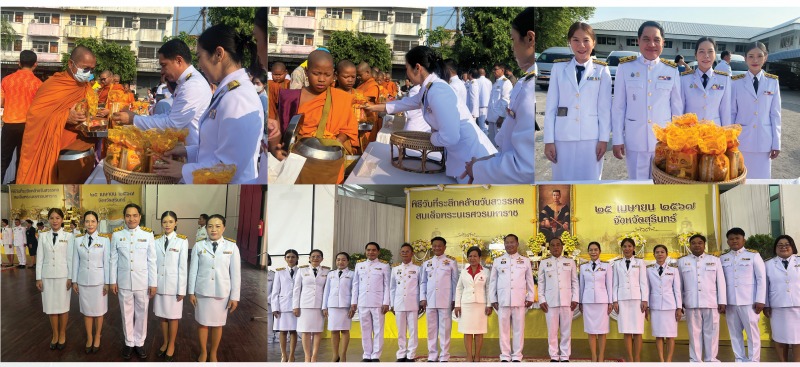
(133, 154)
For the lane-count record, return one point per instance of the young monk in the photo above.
(274, 87)
(370, 88)
(346, 76)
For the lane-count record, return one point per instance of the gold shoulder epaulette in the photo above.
(362, 260)
(669, 62)
(106, 235)
(118, 229)
(598, 62)
(450, 257)
(772, 76)
(561, 60)
(737, 77)
(80, 235)
(627, 59)
(181, 236)
(383, 261)
(753, 251)
(44, 231)
(279, 269)
(396, 265)
(651, 266)
(687, 72)
(721, 73)
(674, 265)
(604, 261)
(157, 236)
(188, 76)
(233, 85)
(303, 266)
(726, 251)
(230, 239)
(147, 229)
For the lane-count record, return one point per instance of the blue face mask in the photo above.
(83, 75)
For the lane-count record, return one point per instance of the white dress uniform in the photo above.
(215, 278)
(370, 293)
(19, 243)
(759, 113)
(484, 92)
(8, 240)
(577, 116)
(724, 67)
(201, 235)
(559, 287)
(414, 119)
(704, 289)
(498, 104)
(90, 270)
(133, 269)
(438, 289)
(664, 282)
(747, 285)
(54, 268)
(230, 130)
(630, 289)
(510, 286)
(783, 284)
(712, 102)
(404, 290)
(270, 322)
(451, 128)
(189, 102)
(516, 157)
(338, 292)
(309, 289)
(172, 254)
(460, 89)
(473, 98)
(472, 297)
(596, 286)
(281, 299)
(645, 93)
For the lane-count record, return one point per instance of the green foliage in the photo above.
(551, 24)
(762, 243)
(438, 38)
(241, 20)
(485, 37)
(358, 47)
(7, 34)
(110, 56)
(385, 254)
(190, 40)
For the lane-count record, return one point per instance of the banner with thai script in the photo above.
(33, 201)
(109, 200)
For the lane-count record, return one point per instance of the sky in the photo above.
(188, 20)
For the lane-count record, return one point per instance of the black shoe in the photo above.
(140, 351)
(161, 353)
(366, 360)
(431, 361)
(61, 346)
(95, 349)
(375, 360)
(564, 361)
(88, 350)
(514, 361)
(404, 359)
(507, 361)
(20, 266)
(53, 346)
(553, 360)
(126, 352)
(169, 358)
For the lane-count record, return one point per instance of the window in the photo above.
(300, 39)
(667, 44)
(70, 47)
(740, 48)
(325, 39)
(607, 41)
(274, 10)
(45, 47)
(150, 23)
(375, 15)
(119, 22)
(407, 17)
(46, 18)
(721, 47)
(689, 45)
(787, 40)
(632, 42)
(85, 20)
(273, 37)
(339, 13)
(147, 52)
(404, 46)
(16, 45)
(12, 16)
(302, 12)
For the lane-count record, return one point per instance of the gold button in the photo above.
(755, 113)
(649, 94)
(577, 94)
(649, 107)
(649, 121)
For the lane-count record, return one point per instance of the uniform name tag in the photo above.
(593, 78)
(562, 111)
(664, 77)
(227, 252)
(412, 272)
(768, 93)
(634, 266)
(746, 258)
(142, 240)
(709, 264)
(62, 241)
(174, 250)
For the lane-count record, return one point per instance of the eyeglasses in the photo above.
(783, 246)
(103, 79)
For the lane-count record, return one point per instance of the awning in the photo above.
(787, 55)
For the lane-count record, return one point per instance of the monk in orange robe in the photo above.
(52, 110)
(274, 87)
(106, 83)
(370, 88)
(391, 87)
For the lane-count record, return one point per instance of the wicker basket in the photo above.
(661, 177)
(419, 141)
(134, 178)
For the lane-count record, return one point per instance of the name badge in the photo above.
(62, 241)
(142, 240)
(562, 111)
(412, 272)
(717, 87)
(709, 264)
(593, 78)
(768, 93)
(726, 259)
(634, 266)
(746, 258)
(174, 250)
(227, 252)
(664, 77)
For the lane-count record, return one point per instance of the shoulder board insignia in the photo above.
(669, 62)
(183, 237)
(561, 60)
(362, 260)
(651, 266)
(547, 257)
(188, 76)
(147, 229)
(687, 72)
(200, 239)
(450, 257)
(721, 73)
(753, 251)
(118, 229)
(627, 59)
(230, 239)
(598, 62)
(529, 76)
(78, 236)
(233, 85)
(604, 261)
(384, 261)
(396, 265)
(158, 236)
(674, 265)
(106, 235)
(737, 77)
(303, 266)
(326, 267)
(726, 251)
(279, 269)
(45, 231)
(683, 256)
(772, 76)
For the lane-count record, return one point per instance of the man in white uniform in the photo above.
(19, 243)
(485, 91)
(437, 296)
(457, 84)
(725, 62)
(8, 243)
(559, 292)
(511, 292)
(370, 298)
(498, 101)
(473, 94)
(201, 234)
(404, 303)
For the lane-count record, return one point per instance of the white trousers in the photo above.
(758, 164)
(371, 319)
(407, 321)
(439, 322)
(512, 321)
(20, 250)
(703, 325)
(559, 319)
(639, 164)
(739, 319)
(133, 305)
(492, 131)
(483, 112)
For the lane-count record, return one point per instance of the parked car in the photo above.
(613, 60)
(738, 65)
(545, 63)
(789, 76)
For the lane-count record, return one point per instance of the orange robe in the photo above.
(340, 119)
(103, 93)
(370, 88)
(45, 133)
(391, 89)
(273, 90)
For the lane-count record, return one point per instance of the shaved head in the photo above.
(105, 77)
(344, 64)
(364, 71)
(319, 57)
(364, 66)
(278, 67)
(81, 53)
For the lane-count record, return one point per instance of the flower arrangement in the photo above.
(472, 240)
(683, 239)
(637, 237)
(421, 245)
(536, 243)
(571, 243)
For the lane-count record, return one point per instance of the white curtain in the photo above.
(360, 221)
(746, 207)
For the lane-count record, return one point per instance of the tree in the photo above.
(241, 20)
(7, 34)
(110, 56)
(551, 25)
(439, 38)
(358, 47)
(190, 40)
(485, 38)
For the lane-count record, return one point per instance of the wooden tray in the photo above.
(419, 141)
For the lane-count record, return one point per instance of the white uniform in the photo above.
(484, 92)
(133, 269)
(370, 293)
(438, 289)
(759, 113)
(472, 295)
(338, 292)
(460, 89)
(230, 130)
(451, 128)
(596, 286)
(215, 278)
(630, 290)
(281, 299)
(498, 104)
(19, 243)
(645, 93)
(189, 102)
(270, 322)
(577, 116)
(473, 98)
(747, 285)
(514, 162)
(665, 298)
(704, 289)
(414, 119)
(783, 284)
(559, 287)
(54, 268)
(404, 290)
(711, 103)
(8, 240)
(724, 67)
(201, 235)
(90, 270)
(510, 286)
(309, 290)
(172, 261)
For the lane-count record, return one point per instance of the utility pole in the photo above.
(458, 19)
(203, 13)
(177, 18)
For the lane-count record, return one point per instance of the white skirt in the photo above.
(337, 318)
(55, 296)
(577, 161)
(663, 323)
(758, 164)
(287, 322)
(631, 317)
(211, 311)
(310, 320)
(93, 302)
(473, 319)
(784, 322)
(168, 307)
(595, 318)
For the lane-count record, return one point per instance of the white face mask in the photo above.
(82, 75)
(259, 89)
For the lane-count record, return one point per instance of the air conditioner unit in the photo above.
(34, 20)
(290, 13)
(288, 42)
(71, 23)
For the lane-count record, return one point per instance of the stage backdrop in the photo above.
(30, 201)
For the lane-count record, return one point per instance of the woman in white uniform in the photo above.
(577, 117)
(707, 92)
(783, 298)
(471, 304)
(336, 306)
(451, 122)
(172, 253)
(201, 234)
(232, 126)
(270, 280)
(630, 295)
(282, 292)
(90, 275)
(514, 162)
(54, 275)
(666, 302)
(215, 280)
(596, 284)
(309, 288)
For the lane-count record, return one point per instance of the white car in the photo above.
(613, 60)
(738, 65)
(545, 63)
